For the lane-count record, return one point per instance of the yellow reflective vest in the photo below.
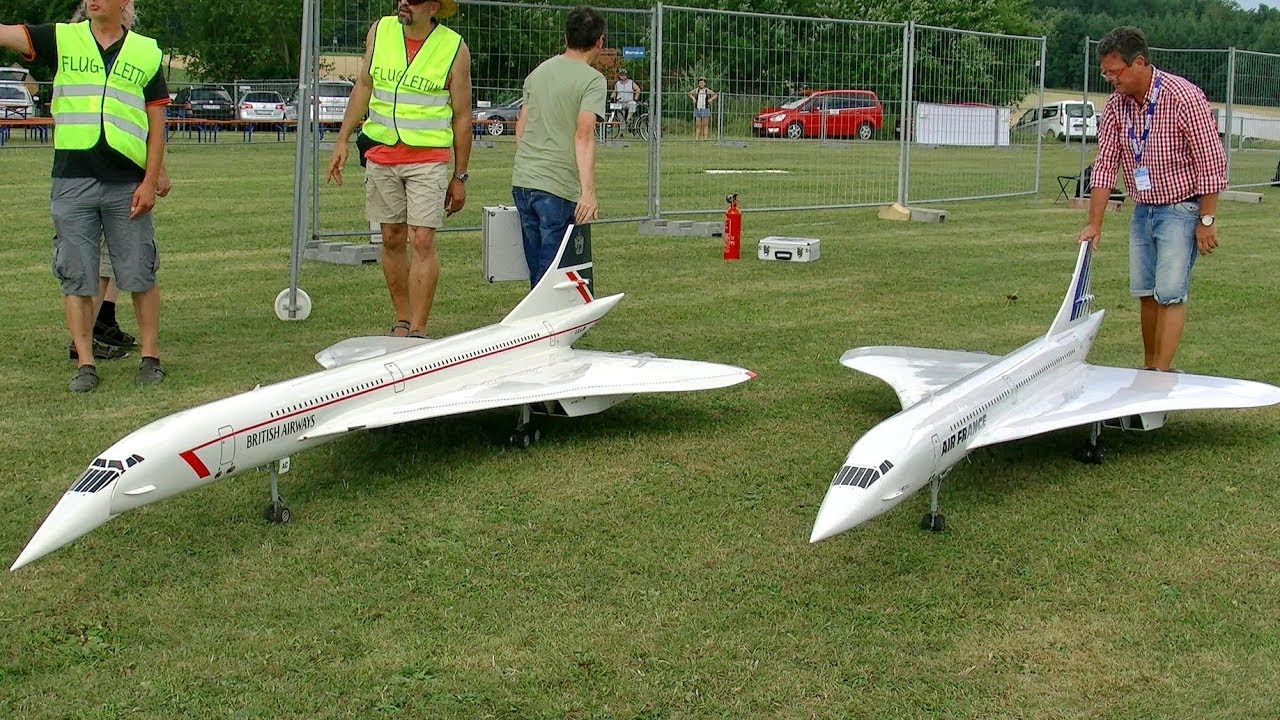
(89, 101)
(409, 103)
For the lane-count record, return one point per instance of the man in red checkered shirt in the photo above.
(1158, 129)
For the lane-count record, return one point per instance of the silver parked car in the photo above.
(261, 105)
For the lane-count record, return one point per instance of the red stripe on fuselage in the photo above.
(194, 462)
(199, 467)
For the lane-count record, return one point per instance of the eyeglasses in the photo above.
(416, 2)
(1113, 76)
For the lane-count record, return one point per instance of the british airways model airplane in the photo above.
(527, 361)
(956, 402)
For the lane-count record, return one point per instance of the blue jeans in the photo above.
(543, 219)
(1162, 250)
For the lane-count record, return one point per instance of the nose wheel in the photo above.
(933, 519)
(276, 511)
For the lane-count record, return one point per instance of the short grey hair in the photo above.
(1127, 41)
(128, 18)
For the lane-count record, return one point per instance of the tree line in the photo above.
(256, 39)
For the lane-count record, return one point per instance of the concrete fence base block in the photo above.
(681, 228)
(731, 144)
(1240, 196)
(928, 215)
(897, 212)
(483, 144)
(340, 253)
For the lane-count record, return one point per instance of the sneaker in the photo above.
(101, 351)
(86, 379)
(113, 335)
(150, 372)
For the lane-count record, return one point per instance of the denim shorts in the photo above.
(706, 113)
(1162, 250)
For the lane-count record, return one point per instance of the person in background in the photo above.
(702, 97)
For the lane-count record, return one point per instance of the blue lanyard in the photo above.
(1140, 144)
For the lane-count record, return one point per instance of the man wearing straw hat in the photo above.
(415, 84)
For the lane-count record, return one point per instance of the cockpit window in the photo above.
(101, 473)
(856, 476)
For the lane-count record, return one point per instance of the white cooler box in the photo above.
(789, 249)
(502, 250)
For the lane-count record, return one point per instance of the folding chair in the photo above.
(1082, 186)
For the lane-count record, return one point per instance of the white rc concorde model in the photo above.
(956, 402)
(527, 361)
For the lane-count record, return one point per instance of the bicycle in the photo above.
(637, 123)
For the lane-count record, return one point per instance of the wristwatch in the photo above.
(1206, 220)
(461, 176)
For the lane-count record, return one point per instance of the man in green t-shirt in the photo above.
(553, 180)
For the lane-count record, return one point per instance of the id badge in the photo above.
(1142, 178)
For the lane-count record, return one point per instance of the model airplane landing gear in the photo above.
(933, 520)
(1093, 452)
(526, 433)
(276, 511)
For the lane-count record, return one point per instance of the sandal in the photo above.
(419, 334)
(398, 327)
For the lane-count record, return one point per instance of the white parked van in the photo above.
(1065, 120)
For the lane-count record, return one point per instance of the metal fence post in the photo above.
(1085, 84)
(908, 109)
(1044, 55)
(1230, 115)
(655, 139)
(301, 169)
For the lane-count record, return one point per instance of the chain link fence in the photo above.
(804, 111)
(967, 91)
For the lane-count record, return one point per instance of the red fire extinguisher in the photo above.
(732, 229)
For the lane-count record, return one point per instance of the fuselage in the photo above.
(908, 450)
(222, 438)
(251, 429)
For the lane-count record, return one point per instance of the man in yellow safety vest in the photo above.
(108, 108)
(415, 84)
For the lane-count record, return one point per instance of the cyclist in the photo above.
(625, 92)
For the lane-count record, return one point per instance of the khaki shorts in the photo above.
(414, 193)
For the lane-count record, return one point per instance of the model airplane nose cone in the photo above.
(75, 514)
(843, 508)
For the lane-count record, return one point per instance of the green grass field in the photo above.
(652, 561)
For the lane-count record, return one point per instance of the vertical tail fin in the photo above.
(1079, 300)
(567, 282)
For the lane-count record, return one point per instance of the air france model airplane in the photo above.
(956, 402)
(527, 360)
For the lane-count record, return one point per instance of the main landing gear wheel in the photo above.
(526, 432)
(1093, 452)
(301, 312)
(276, 512)
(933, 521)
(523, 437)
